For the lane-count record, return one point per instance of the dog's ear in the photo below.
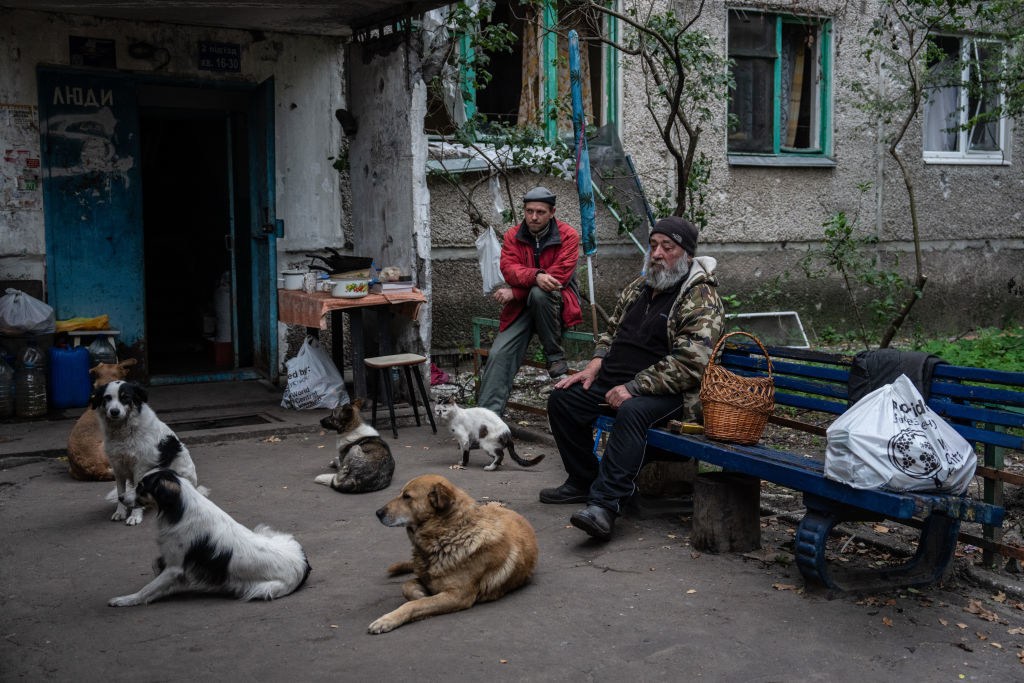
(441, 496)
(138, 394)
(96, 400)
(451, 400)
(163, 487)
(125, 364)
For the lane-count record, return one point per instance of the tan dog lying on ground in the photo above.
(462, 552)
(87, 461)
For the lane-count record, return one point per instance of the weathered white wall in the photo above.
(390, 200)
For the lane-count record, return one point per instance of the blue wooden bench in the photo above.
(971, 399)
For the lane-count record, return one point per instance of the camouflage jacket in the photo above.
(695, 323)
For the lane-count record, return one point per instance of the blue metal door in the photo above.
(263, 228)
(92, 194)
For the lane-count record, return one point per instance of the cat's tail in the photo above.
(506, 443)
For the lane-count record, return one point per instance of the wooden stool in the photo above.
(383, 365)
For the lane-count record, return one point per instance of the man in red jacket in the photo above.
(538, 262)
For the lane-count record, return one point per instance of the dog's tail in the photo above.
(203, 491)
(506, 443)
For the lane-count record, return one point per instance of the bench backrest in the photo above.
(980, 404)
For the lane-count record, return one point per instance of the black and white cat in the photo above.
(480, 428)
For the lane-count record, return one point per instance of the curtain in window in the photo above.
(941, 111)
(531, 99)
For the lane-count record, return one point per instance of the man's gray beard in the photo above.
(665, 277)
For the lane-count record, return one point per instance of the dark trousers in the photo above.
(612, 479)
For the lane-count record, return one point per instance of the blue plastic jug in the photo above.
(69, 382)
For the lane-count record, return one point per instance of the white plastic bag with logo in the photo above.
(313, 380)
(891, 439)
(23, 314)
(488, 253)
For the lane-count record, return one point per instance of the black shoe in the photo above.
(597, 521)
(566, 493)
(557, 368)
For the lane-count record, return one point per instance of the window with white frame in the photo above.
(958, 125)
(779, 106)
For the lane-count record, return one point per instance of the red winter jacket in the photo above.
(559, 252)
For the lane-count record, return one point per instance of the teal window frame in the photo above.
(549, 57)
(822, 155)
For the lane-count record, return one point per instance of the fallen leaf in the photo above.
(272, 438)
(503, 661)
(880, 529)
(671, 535)
(959, 625)
(652, 569)
(996, 645)
(783, 587)
(691, 591)
(999, 597)
(334, 626)
(426, 448)
(981, 636)
(943, 622)
(284, 487)
(694, 556)
(524, 423)
(568, 526)
(887, 621)
(974, 607)
(1019, 631)
(456, 467)
(408, 446)
(320, 446)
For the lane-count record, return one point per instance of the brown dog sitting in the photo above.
(87, 461)
(462, 552)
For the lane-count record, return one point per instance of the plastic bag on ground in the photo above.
(488, 253)
(891, 439)
(23, 314)
(313, 380)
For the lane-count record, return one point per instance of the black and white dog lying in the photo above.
(136, 442)
(202, 549)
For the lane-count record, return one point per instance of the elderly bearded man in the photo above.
(538, 261)
(647, 366)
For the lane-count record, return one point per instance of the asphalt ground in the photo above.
(644, 606)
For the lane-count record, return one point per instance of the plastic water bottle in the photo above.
(101, 351)
(6, 388)
(30, 389)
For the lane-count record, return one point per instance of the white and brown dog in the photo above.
(136, 441)
(204, 550)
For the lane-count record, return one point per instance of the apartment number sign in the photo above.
(224, 57)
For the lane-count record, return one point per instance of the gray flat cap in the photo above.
(540, 194)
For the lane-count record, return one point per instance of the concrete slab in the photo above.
(643, 607)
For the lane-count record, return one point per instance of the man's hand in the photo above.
(618, 395)
(549, 283)
(504, 295)
(587, 375)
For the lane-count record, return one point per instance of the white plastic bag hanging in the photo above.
(22, 314)
(488, 252)
(313, 380)
(891, 439)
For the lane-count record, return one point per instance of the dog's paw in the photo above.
(135, 517)
(383, 625)
(324, 479)
(125, 601)
(120, 514)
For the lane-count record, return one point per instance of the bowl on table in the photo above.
(353, 288)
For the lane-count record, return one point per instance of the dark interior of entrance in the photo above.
(191, 175)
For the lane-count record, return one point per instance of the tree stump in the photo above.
(661, 478)
(726, 512)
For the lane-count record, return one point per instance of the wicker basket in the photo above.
(736, 408)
